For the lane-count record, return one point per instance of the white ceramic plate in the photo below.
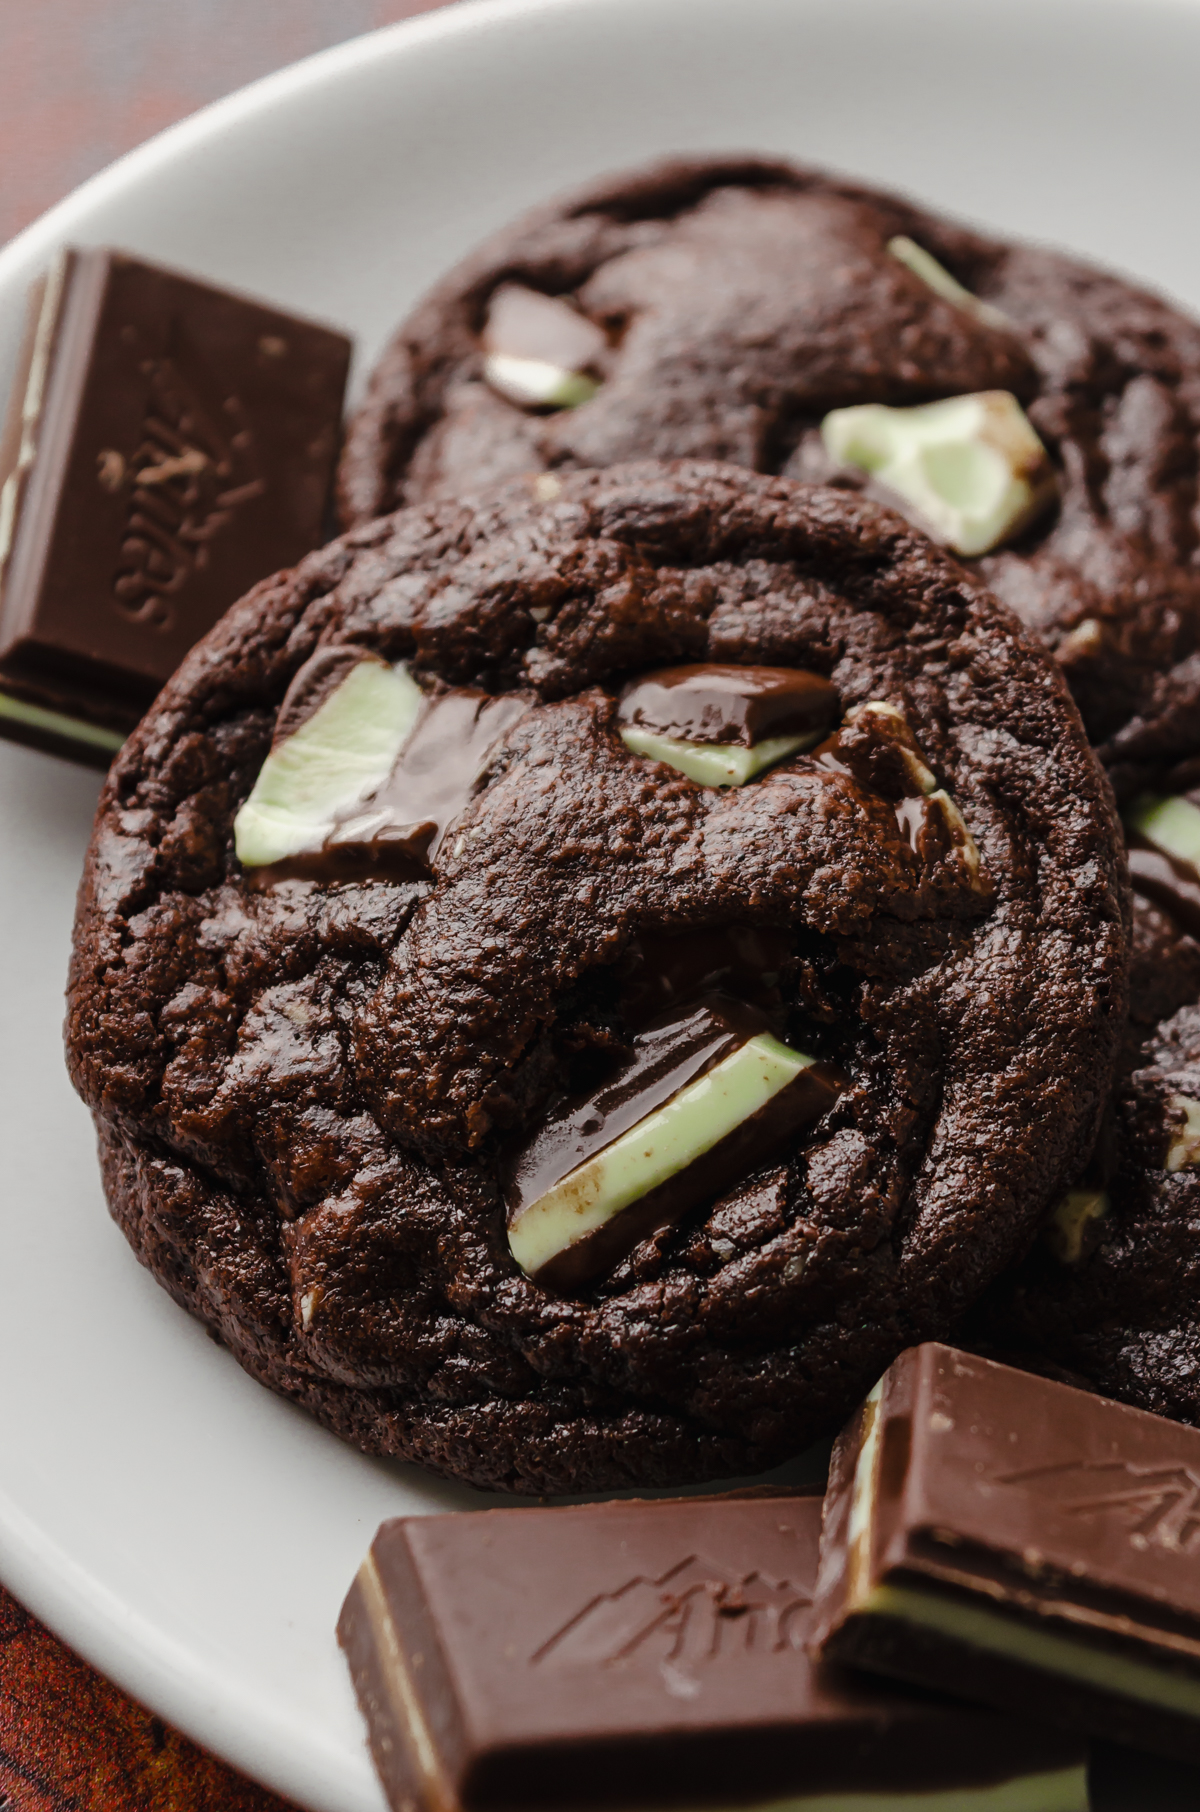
(192, 1535)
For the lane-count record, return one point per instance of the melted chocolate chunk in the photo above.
(525, 324)
(396, 833)
(708, 702)
(668, 1055)
(1167, 881)
(876, 748)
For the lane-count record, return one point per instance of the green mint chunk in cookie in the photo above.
(971, 468)
(333, 758)
(1171, 825)
(936, 277)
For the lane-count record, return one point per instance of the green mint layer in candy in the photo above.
(971, 467)
(656, 1149)
(714, 763)
(345, 750)
(536, 384)
(56, 723)
(1171, 825)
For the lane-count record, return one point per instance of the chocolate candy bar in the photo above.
(709, 1096)
(167, 445)
(1022, 1543)
(746, 705)
(650, 1655)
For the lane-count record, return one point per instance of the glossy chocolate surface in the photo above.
(665, 968)
(396, 833)
(709, 702)
(1167, 881)
(1056, 1510)
(635, 1654)
(183, 442)
(668, 1054)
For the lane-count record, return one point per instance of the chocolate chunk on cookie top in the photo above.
(533, 1105)
(1033, 413)
(709, 1096)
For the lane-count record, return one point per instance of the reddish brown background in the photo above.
(81, 81)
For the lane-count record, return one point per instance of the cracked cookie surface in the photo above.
(739, 300)
(304, 1090)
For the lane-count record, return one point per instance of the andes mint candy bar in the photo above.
(1021, 1543)
(651, 1655)
(167, 445)
(745, 705)
(709, 1096)
(722, 725)
(365, 771)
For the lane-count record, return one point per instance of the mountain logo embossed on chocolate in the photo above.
(1160, 1506)
(518, 1102)
(695, 1613)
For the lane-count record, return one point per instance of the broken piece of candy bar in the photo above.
(722, 725)
(167, 445)
(1020, 1543)
(539, 351)
(365, 771)
(651, 1656)
(709, 1096)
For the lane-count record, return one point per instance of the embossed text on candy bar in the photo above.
(187, 478)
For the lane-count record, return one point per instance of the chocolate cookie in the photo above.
(570, 983)
(723, 309)
(1110, 1291)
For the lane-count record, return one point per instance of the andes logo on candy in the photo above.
(691, 1615)
(1158, 1506)
(187, 478)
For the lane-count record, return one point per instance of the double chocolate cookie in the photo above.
(1110, 1292)
(746, 310)
(571, 983)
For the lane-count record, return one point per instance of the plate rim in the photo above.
(121, 1642)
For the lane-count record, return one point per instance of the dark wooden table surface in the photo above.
(82, 81)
